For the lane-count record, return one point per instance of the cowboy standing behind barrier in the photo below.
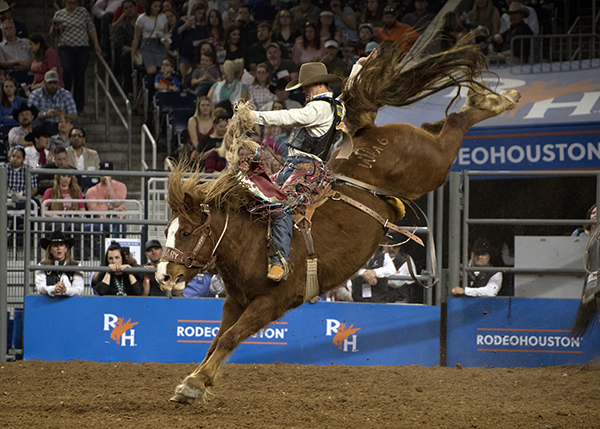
(55, 283)
(312, 139)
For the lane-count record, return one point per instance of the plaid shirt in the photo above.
(260, 96)
(123, 36)
(61, 100)
(16, 179)
(75, 27)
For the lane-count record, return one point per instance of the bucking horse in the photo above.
(211, 224)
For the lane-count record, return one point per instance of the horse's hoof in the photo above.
(182, 399)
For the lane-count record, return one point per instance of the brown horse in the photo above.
(209, 220)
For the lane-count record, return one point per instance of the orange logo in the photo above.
(120, 328)
(343, 333)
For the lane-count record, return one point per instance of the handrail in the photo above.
(146, 132)
(127, 123)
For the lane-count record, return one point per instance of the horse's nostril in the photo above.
(166, 278)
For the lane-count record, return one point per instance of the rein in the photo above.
(188, 259)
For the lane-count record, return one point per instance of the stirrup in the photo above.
(277, 276)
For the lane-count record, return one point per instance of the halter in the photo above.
(188, 259)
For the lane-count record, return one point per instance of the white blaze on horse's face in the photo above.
(166, 282)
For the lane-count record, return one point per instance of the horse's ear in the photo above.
(188, 201)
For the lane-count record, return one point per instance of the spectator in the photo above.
(150, 28)
(44, 59)
(153, 252)
(205, 74)
(6, 14)
(123, 33)
(345, 19)
(234, 45)
(115, 281)
(371, 283)
(230, 88)
(52, 102)
(327, 28)
(400, 290)
(108, 189)
(9, 101)
(247, 26)
(16, 173)
(305, 12)
(373, 14)
(280, 68)
(485, 14)
(396, 31)
(74, 27)
(420, 18)
(165, 81)
(119, 11)
(14, 52)
(61, 283)
(452, 30)
(502, 42)
(273, 131)
(365, 36)
(349, 54)
(214, 140)
(198, 287)
(257, 52)
(200, 125)
(480, 283)
(104, 10)
(80, 156)
(38, 153)
(65, 187)
(285, 32)
(61, 160)
(331, 58)
(230, 15)
(587, 230)
(189, 31)
(61, 139)
(308, 47)
(283, 95)
(531, 20)
(25, 115)
(215, 26)
(259, 91)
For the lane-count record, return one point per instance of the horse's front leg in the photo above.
(232, 311)
(258, 314)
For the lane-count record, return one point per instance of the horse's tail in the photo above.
(585, 318)
(394, 78)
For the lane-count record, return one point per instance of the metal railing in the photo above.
(126, 121)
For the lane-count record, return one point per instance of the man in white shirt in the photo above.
(14, 52)
(480, 283)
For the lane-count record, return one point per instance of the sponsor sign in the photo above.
(512, 332)
(153, 329)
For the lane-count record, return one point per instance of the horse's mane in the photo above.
(395, 78)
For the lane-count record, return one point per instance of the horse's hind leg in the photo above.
(231, 314)
(258, 314)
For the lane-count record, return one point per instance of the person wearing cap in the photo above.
(25, 115)
(153, 252)
(480, 283)
(6, 14)
(280, 68)
(257, 52)
(331, 58)
(310, 143)
(420, 18)
(52, 101)
(108, 189)
(531, 20)
(396, 31)
(38, 154)
(80, 156)
(279, 90)
(14, 51)
(502, 42)
(58, 283)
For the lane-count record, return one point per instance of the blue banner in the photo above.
(513, 332)
(110, 329)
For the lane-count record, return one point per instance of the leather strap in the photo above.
(366, 187)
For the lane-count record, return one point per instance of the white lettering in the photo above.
(352, 343)
(533, 341)
(565, 342)
(189, 331)
(535, 158)
(332, 327)
(505, 340)
(482, 160)
(517, 159)
(514, 340)
(130, 338)
(571, 151)
(479, 340)
(489, 340)
(463, 156)
(180, 331)
(593, 150)
(500, 154)
(575, 342)
(550, 156)
(110, 321)
(582, 107)
(523, 341)
(561, 151)
(497, 340)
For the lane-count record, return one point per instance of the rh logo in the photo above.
(341, 334)
(119, 328)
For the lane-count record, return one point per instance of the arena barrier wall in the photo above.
(516, 332)
(112, 329)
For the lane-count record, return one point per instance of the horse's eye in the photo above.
(185, 234)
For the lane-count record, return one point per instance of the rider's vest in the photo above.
(300, 139)
(53, 277)
(481, 279)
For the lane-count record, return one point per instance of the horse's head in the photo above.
(189, 248)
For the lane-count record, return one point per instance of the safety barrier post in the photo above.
(3, 262)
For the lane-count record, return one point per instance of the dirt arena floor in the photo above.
(76, 394)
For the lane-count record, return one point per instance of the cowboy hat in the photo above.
(4, 6)
(311, 73)
(518, 7)
(56, 237)
(23, 108)
(482, 245)
(38, 131)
